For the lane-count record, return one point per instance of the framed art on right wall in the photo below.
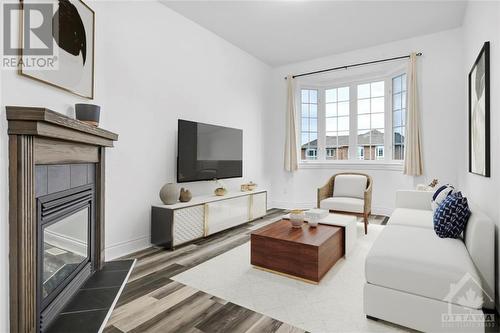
(479, 114)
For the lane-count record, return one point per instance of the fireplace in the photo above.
(56, 214)
(65, 244)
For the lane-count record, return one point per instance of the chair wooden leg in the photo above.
(366, 223)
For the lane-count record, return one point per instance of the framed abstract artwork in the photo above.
(71, 29)
(479, 114)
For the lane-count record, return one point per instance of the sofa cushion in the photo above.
(352, 186)
(415, 260)
(451, 216)
(412, 217)
(345, 204)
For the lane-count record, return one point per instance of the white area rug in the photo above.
(335, 305)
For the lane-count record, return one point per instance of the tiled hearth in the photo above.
(95, 300)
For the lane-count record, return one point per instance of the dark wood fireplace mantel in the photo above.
(39, 136)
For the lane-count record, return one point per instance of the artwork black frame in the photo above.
(485, 52)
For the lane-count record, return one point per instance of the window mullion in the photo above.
(353, 122)
(321, 125)
(388, 120)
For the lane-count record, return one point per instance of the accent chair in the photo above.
(347, 193)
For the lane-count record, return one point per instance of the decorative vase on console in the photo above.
(221, 189)
(168, 194)
(185, 195)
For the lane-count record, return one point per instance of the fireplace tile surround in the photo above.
(52, 160)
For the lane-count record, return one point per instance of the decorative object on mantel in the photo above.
(297, 218)
(40, 139)
(434, 182)
(168, 194)
(185, 195)
(221, 189)
(88, 113)
(248, 187)
(479, 114)
(72, 41)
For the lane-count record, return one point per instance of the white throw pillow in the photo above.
(441, 193)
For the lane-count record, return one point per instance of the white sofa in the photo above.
(414, 278)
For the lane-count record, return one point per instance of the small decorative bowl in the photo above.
(297, 218)
(312, 223)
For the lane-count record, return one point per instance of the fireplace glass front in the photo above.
(65, 248)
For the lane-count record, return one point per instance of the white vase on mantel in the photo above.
(169, 194)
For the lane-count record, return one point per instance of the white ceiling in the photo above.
(281, 32)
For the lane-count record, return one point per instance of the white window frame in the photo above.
(321, 162)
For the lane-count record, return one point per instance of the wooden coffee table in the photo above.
(303, 253)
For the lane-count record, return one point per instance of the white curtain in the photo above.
(291, 161)
(413, 164)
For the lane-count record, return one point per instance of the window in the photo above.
(371, 111)
(379, 152)
(361, 152)
(337, 123)
(312, 154)
(360, 120)
(398, 116)
(309, 124)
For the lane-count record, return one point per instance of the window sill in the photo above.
(352, 165)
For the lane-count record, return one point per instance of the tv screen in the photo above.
(206, 152)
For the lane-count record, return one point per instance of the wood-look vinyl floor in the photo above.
(152, 302)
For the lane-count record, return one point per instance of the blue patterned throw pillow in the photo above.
(451, 217)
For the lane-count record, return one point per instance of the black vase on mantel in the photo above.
(88, 113)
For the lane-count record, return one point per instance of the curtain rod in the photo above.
(353, 65)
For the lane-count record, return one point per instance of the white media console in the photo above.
(172, 225)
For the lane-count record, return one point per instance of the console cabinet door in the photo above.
(258, 206)
(188, 224)
(227, 213)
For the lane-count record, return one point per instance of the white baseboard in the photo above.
(127, 247)
(307, 205)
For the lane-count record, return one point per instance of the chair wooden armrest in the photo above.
(325, 191)
(368, 197)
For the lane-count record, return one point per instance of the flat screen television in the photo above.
(206, 152)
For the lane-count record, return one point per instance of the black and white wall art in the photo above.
(479, 114)
(72, 26)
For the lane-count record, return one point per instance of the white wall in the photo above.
(481, 24)
(441, 87)
(152, 67)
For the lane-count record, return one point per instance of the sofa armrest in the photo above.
(414, 199)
